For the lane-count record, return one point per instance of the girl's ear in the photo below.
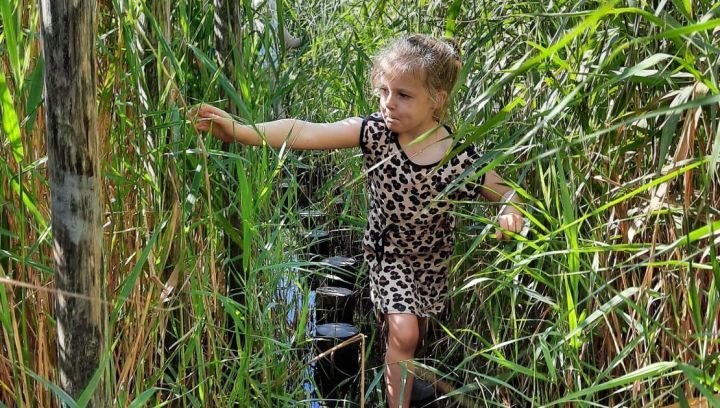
(440, 100)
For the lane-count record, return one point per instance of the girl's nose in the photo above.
(390, 101)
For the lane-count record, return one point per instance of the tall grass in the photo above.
(604, 115)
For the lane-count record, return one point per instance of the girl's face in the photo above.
(406, 104)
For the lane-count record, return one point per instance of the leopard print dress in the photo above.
(409, 236)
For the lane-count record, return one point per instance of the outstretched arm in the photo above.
(297, 134)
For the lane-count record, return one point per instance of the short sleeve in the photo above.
(469, 179)
(372, 131)
(363, 135)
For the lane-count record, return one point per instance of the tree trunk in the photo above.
(68, 36)
(227, 36)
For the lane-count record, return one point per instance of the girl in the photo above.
(409, 236)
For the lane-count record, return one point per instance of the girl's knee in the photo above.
(403, 332)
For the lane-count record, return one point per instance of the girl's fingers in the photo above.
(206, 117)
(208, 110)
(509, 222)
(202, 124)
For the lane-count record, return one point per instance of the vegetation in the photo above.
(604, 114)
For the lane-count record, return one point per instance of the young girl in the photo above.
(409, 236)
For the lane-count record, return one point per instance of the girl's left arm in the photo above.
(510, 219)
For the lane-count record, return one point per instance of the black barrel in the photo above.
(341, 271)
(312, 172)
(341, 239)
(304, 195)
(311, 219)
(319, 244)
(423, 395)
(334, 373)
(334, 305)
(339, 206)
(283, 188)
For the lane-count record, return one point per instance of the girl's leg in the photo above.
(423, 327)
(403, 337)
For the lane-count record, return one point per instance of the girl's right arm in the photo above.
(297, 134)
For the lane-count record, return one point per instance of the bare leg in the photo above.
(423, 327)
(403, 337)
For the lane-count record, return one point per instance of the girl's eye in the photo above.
(404, 96)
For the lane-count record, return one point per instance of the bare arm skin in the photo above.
(496, 190)
(297, 134)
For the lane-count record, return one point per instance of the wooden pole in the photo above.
(228, 46)
(68, 36)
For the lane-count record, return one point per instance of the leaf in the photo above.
(689, 29)
(10, 122)
(685, 7)
(633, 193)
(649, 371)
(696, 377)
(474, 282)
(129, 283)
(671, 125)
(522, 67)
(516, 368)
(451, 20)
(66, 399)
(247, 213)
(35, 94)
(89, 392)
(29, 202)
(224, 82)
(639, 68)
(9, 21)
(141, 399)
(603, 310)
(700, 233)
(378, 376)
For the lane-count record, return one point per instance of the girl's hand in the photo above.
(209, 118)
(510, 222)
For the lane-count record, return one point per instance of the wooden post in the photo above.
(68, 36)
(227, 22)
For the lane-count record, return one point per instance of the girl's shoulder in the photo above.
(467, 161)
(373, 132)
(465, 152)
(374, 122)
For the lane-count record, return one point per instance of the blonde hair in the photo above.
(437, 60)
